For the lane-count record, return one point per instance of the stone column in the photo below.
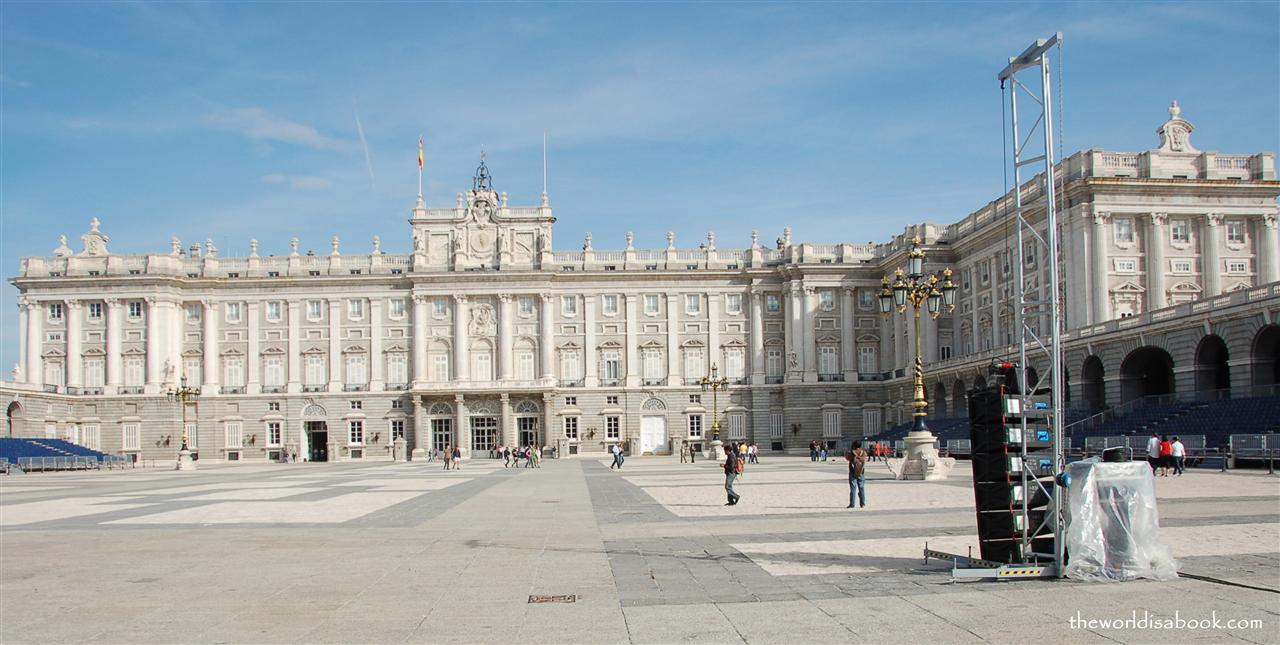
(375, 345)
(1268, 248)
(714, 355)
(549, 431)
(632, 340)
(590, 369)
(674, 374)
(22, 340)
(809, 348)
(928, 336)
(73, 340)
(419, 340)
(115, 351)
(508, 422)
(35, 343)
(463, 432)
(794, 336)
(335, 346)
(888, 342)
(294, 375)
(1156, 269)
(253, 369)
(997, 327)
(153, 346)
(421, 440)
(506, 369)
(1212, 265)
(461, 355)
(1101, 290)
(757, 337)
(848, 336)
(546, 339)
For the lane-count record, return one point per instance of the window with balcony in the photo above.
(273, 372)
(651, 360)
(55, 311)
(1179, 231)
(772, 303)
(612, 367)
(692, 304)
(397, 368)
(396, 308)
(315, 310)
(569, 306)
(355, 310)
(315, 375)
(1123, 230)
(95, 311)
(651, 305)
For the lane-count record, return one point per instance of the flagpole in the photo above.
(420, 166)
(544, 167)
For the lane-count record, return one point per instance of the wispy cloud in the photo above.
(301, 182)
(368, 161)
(259, 125)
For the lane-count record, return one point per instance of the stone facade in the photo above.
(485, 334)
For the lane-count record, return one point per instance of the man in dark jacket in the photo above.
(731, 460)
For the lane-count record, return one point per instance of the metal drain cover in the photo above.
(540, 599)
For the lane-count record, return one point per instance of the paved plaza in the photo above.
(380, 553)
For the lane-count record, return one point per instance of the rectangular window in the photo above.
(1126, 266)
(315, 370)
(653, 369)
(525, 305)
(1179, 231)
(571, 428)
(441, 433)
(95, 311)
(524, 365)
(651, 305)
(315, 310)
(828, 360)
(357, 369)
(773, 362)
(55, 311)
(944, 352)
(612, 428)
(397, 404)
(273, 434)
(483, 367)
(612, 366)
(440, 367)
(355, 432)
(397, 429)
(274, 310)
(232, 371)
(692, 304)
(1235, 232)
(569, 306)
(233, 434)
(396, 308)
(132, 439)
(439, 308)
(694, 365)
(397, 368)
(93, 373)
(134, 371)
(695, 426)
(737, 425)
(273, 371)
(827, 299)
(273, 406)
(571, 401)
(611, 399)
(193, 312)
(135, 309)
(1181, 266)
(772, 303)
(733, 303)
(775, 425)
(233, 312)
(609, 305)
(355, 310)
(570, 367)
(868, 362)
(1124, 230)
(1237, 266)
(734, 367)
(867, 299)
(831, 423)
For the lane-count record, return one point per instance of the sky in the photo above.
(845, 122)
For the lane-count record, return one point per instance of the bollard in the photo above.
(1271, 461)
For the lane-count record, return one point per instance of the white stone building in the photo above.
(486, 335)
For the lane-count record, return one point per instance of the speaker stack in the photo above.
(1013, 474)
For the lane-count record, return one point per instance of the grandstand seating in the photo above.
(52, 454)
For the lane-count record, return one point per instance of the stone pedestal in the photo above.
(419, 454)
(333, 451)
(920, 459)
(184, 460)
(716, 451)
(398, 449)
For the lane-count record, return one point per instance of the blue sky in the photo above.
(843, 121)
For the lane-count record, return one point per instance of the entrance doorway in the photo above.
(318, 440)
(484, 435)
(528, 431)
(441, 435)
(653, 434)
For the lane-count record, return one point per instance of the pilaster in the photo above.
(1100, 290)
(335, 346)
(73, 340)
(461, 355)
(848, 336)
(673, 340)
(294, 376)
(1212, 265)
(630, 302)
(757, 336)
(253, 369)
(1156, 295)
(546, 338)
(419, 340)
(375, 344)
(589, 359)
(506, 369)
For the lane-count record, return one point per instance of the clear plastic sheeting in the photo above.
(1113, 528)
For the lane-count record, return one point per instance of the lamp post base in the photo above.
(185, 462)
(920, 459)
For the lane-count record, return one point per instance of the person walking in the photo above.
(732, 468)
(857, 458)
(1166, 456)
(448, 456)
(813, 451)
(621, 455)
(684, 452)
(506, 456)
(613, 450)
(822, 451)
(751, 454)
(693, 452)
(457, 457)
(1153, 452)
(1179, 456)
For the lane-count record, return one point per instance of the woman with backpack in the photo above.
(732, 468)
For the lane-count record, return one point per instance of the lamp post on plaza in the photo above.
(181, 395)
(932, 292)
(711, 381)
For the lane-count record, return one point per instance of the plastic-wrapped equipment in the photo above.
(1113, 528)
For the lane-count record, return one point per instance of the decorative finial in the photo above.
(209, 249)
(253, 248)
(786, 236)
(755, 239)
(586, 245)
(377, 245)
(630, 238)
(457, 202)
(93, 225)
(175, 246)
(504, 199)
(334, 246)
(293, 246)
(711, 240)
(63, 250)
(1174, 110)
(671, 240)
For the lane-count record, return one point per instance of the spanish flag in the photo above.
(419, 153)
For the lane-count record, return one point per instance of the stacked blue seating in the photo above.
(53, 454)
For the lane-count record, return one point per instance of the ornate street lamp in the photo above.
(715, 384)
(181, 395)
(932, 292)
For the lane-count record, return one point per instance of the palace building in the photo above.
(487, 334)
